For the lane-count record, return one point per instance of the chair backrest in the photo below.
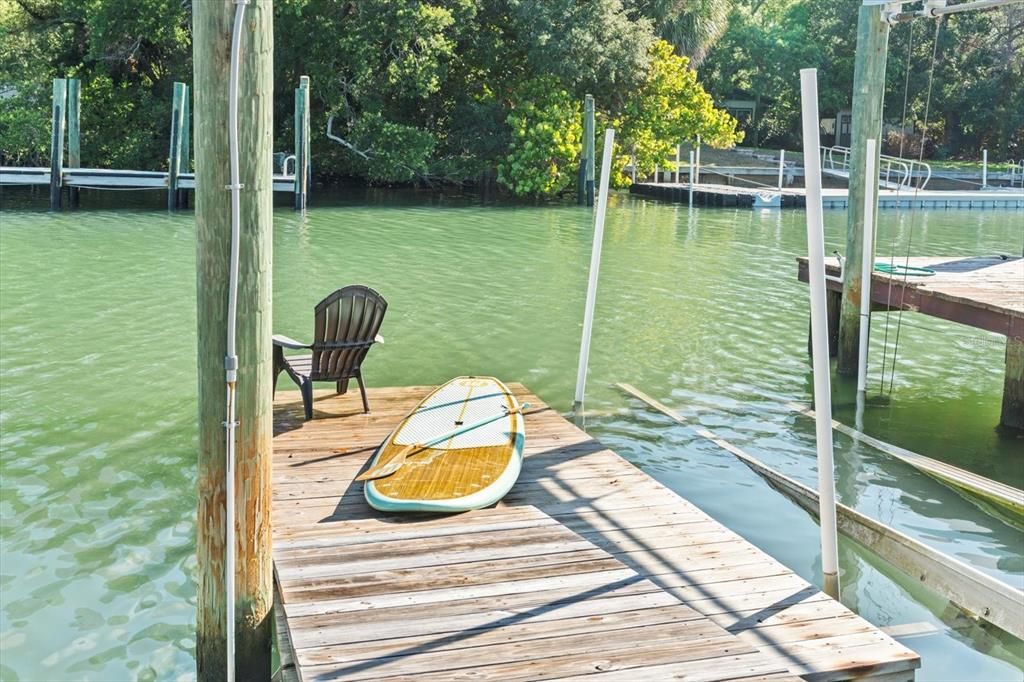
(345, 326)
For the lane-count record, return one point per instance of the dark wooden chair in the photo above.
(345, 326)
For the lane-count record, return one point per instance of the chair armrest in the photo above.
(378, 339)
(288, 342)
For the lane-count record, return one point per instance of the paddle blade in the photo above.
(388, 468)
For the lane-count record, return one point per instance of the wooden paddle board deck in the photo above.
(474, 465)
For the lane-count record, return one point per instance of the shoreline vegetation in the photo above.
(489, 93)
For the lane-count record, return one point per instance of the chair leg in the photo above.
(307, 398)
(342, 386)
(362, 390)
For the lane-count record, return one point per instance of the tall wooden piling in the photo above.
(302, 161)
(1012, 416)
(59, 115)
(212, 22)
(74, 131)
(174, 155)
(585, 187)
(868, 91)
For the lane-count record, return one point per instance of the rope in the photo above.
(892, 241)
(913, 209)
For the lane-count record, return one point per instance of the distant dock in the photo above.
(65, 169)
(705, 194)
(588, 570)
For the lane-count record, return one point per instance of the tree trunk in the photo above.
(254, 595)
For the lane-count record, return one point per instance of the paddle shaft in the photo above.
(396, 462)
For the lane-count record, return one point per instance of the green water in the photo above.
(701, 309)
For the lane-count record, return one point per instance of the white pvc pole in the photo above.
(819, 331)
(867, 266)
(691, 178)
(698, 160)
(984, 168)
(595, 266)
(782, 166)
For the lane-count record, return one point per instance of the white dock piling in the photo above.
(867, 266)
(819, 331)
(595, 266)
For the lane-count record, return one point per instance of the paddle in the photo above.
(396, 462)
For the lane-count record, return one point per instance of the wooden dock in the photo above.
(589, 569)
(708, 194)
(986, 292)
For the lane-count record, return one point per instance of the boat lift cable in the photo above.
(231, 357)
(892, 240)
(913, 208)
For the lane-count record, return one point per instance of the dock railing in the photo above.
(894, 172)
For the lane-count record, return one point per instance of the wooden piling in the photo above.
(585, 182)
(185, 165)
(588, 134)
(59, 115)
(1012, 416)
(74, 132)
(868, 91)
(833, 305)
(174, 156)
(212, 22)
(302, 162)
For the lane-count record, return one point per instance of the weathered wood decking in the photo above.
(981, 291)
(589, 569)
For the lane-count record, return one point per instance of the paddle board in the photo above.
(473, 469)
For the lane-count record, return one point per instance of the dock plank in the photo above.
(514, 593)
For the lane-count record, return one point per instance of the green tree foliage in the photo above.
(978, 94)
(546, 135)
(417, 91)
(127, 53)
(691, 26)
(668, 108)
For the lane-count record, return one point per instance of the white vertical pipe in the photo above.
(690, 176)
(230, 357)
(867, 265)
(678, 152)
(656, 171)
(782, 166)
(595, 266)
(984, 168)
(819, 331)
(698, 161)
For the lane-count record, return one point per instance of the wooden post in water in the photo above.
(1012, 416)
(212, 24)
(589, 134)
(60, 98)
(868, 91)
(174, 155)
(185, 164)
(302, 163)
(585, 182)
(74, 131)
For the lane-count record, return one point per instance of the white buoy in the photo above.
(595, 266)
(819, 332)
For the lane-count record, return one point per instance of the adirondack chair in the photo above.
(345, 327)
